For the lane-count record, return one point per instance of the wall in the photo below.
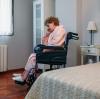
(66, 11)
(20, 44)
(75, 15)
(90, 12)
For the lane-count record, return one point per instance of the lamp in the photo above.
(91, 28)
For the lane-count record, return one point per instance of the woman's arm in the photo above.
(45, 37)
(57, 38)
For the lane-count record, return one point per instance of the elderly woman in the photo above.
(55, 36)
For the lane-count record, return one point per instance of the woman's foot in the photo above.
(15, 74)
(18, 78)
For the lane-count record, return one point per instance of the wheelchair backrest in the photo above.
(69, 36)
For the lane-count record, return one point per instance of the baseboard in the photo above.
(15, 67)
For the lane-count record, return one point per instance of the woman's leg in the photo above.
(29, 65)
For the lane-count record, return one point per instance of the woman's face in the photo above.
(51, 27)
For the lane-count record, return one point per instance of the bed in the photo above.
(79, 82)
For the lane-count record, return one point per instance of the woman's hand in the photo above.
(45, 40)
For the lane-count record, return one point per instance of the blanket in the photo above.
(79, 82)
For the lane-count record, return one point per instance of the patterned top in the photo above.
(57, 37)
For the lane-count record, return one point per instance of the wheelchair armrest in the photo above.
(53, 47)
(39, 48)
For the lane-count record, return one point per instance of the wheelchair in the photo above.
(56, 56)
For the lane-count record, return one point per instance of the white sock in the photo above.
(16, 74)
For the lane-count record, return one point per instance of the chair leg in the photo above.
(64, 65)
(36, 68)
(50, 66)
(58, 66)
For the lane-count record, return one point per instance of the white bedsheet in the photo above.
(81, 82)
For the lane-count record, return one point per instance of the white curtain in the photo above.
(6, 19)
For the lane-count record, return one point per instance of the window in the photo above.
(6, 17)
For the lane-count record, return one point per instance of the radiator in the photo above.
(3, 58)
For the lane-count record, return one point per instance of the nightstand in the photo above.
(92, 50)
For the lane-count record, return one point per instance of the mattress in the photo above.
(79, 82)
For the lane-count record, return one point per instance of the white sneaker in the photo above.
(18, 78)
(16, 74)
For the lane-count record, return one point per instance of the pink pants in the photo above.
(31, 62)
